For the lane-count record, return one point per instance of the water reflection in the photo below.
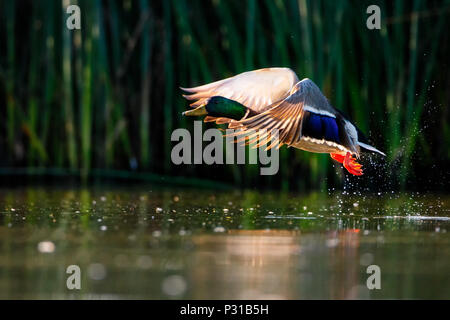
(247, 264)
(175, 244)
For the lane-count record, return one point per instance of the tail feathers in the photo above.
(369, 148)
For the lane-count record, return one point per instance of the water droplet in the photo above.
(46, 247)
(96, 271)
(156, 233)
(144, 262)
(174, 285)
(219, 229)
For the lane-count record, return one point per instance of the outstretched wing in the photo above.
(254, 89)
(285, 117)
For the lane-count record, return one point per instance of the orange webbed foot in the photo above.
(352, 166)
(349, 163)
(338, 157)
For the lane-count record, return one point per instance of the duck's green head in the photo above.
(220, 107)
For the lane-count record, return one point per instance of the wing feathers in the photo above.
(276, 123)
(286, 117)
(255, 89)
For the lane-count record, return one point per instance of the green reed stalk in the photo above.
(146, 55)
(10, 96)
(169, 82)
(229, 27)
(91, 40)
(33, 73)
(50, 78)
(67, 93)
(250, 34)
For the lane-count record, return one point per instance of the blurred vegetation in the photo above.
(106, 97)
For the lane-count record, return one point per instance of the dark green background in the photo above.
(103, 101)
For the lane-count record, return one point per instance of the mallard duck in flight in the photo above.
(274, 98)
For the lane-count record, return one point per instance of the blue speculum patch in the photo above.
(320, 127)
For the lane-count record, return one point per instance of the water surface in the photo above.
(156, 244)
